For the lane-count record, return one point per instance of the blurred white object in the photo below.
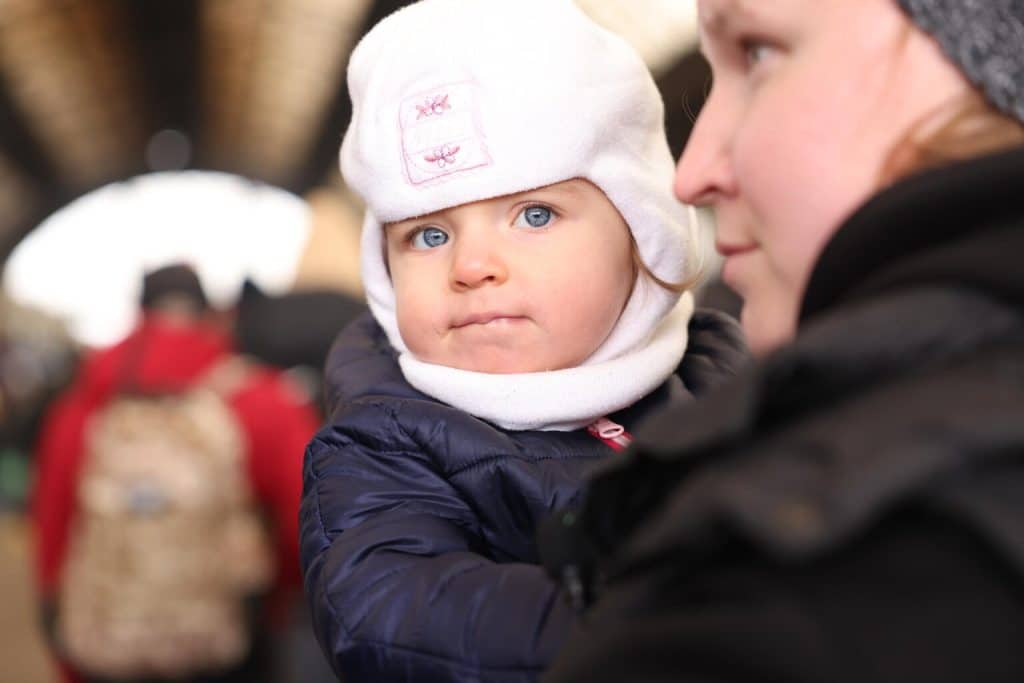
(85, 262)
(660, 30)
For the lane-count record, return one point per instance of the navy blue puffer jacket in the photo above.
(418, 520)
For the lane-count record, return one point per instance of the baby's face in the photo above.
(522, 283)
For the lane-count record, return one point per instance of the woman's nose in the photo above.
(477, 261)
(704, 172)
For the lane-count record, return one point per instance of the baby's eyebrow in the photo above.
(572, 188)
(397, 225)
(395, 230)
(575, 187)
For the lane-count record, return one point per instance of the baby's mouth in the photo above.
(486, 318)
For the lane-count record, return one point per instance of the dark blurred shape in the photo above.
(37, 357)
(684, 89)
(717, 295)
(168, 150)
(177, 282)
(294, 329)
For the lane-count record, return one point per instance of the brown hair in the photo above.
(973, 129)
(642, 269)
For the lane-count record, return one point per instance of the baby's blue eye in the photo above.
(534, 217)
(428, 238)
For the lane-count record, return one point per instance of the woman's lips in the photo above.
(728, 250)
(732, 268)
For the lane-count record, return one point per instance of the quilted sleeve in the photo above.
(400, 585)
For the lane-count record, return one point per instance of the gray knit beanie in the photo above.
(985, 39)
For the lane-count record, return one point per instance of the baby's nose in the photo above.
(476, 263)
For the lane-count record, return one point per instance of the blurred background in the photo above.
(137, 133)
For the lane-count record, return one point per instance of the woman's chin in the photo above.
(765, 332)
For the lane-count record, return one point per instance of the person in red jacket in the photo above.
(176, 343)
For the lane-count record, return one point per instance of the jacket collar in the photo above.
(826, 363)
(962, 223)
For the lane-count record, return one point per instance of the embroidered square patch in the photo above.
(441, 133)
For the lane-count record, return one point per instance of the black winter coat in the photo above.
(418, 520)
(851, 508)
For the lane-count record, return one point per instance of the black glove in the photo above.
(568, 556)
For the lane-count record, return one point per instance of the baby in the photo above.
(526, 262)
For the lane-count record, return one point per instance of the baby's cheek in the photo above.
(411, 323)
(591, 324)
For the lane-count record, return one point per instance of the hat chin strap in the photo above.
(560, 400)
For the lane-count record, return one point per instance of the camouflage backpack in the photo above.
(167, 544)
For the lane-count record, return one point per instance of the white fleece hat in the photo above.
(456, 101)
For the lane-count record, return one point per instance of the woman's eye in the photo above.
(534, 217)
(428, 238)
(757, 52)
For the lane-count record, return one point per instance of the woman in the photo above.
(852, 509)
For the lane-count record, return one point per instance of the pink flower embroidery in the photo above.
(436, 105)
(443, 155)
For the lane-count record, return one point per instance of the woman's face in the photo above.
(810, 97)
